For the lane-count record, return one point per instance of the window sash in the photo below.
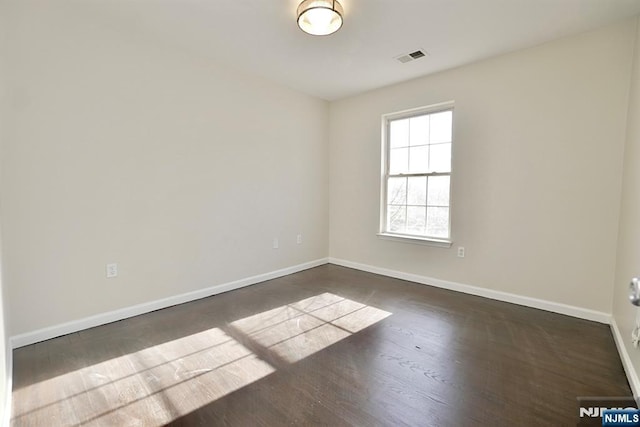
(409, 175)
(386, 205)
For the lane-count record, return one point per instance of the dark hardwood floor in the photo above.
(328, 346)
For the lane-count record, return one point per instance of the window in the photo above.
(416, 187)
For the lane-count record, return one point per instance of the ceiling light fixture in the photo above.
(320, 17)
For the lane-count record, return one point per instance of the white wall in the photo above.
(628, 255)
(538, 145)
(5, 348)
(124, 150)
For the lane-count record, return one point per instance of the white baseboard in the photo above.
(113, 316)
(569, 310)
(632, 375)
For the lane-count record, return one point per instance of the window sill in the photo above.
(440, 243)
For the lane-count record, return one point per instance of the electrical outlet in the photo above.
(112, 270)
(461, 252)
(299, 239)
(276, 243)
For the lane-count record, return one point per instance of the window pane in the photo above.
(440, 158)
(397, 191)
(417, 190)
(399, 133)
(438, 222)
(438, 193)
(399, 161)
(419, 130)
(440, 127)
(419, 159)
(396, 218)
(416, 216)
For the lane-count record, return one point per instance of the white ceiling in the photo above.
(260, 37)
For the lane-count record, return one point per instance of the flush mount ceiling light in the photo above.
(320, 17)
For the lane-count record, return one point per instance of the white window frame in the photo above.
(385, 153)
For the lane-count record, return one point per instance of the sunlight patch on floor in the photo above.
(159, 384)
(164, 382)
(300, 329)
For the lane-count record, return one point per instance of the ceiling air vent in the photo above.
(408, 57)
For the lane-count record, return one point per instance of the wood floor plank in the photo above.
(327, 346)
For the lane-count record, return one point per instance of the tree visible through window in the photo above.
(417, 179)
